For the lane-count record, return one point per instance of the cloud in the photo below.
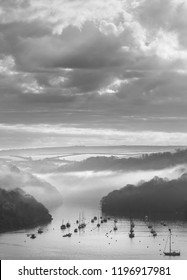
(59, 14)
(115, 58)
(168, 15)
(61, 135)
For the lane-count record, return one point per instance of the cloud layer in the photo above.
(112, 64)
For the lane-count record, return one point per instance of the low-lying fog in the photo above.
(87, 188)
(42, 178)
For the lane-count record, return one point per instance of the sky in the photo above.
(93, 72)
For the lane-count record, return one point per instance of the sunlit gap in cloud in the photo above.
(60, 135)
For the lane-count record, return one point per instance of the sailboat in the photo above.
(115, 226)
(63, 226)
(131, 234)
(170, 252)
(98, 224)
(68, 225)
(82, 223)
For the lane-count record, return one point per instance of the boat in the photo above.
(82, 223)
(131, 235)
(67, 235)
(33, 236)
(68, 225)
(170, 252)
(98, 224)
(40, 231)
(81, 226)
(152, 230)
(63, 226)
(115, 226)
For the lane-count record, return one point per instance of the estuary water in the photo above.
(93, 242)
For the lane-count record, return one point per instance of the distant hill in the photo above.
(153, 161)
(158, 198)
(88, 149)
(19, 210)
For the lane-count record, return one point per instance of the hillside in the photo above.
(19, 210)
(158, 198)
(154, 161)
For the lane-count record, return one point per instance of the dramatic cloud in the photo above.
(94, 63)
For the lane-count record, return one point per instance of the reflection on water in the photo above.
(92, 242)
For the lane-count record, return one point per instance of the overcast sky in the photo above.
(93, 72)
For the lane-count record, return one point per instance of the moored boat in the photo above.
(171, 253)
(40, 231)
(68, 225)
(67, 235)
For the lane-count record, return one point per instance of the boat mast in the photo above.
(83, 218)
(170, 241)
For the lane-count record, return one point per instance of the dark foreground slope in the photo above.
(19, 210)
(158, 198)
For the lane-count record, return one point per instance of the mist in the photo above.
(87, 188)
(11, 177)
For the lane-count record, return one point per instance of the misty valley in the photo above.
(117, 202)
